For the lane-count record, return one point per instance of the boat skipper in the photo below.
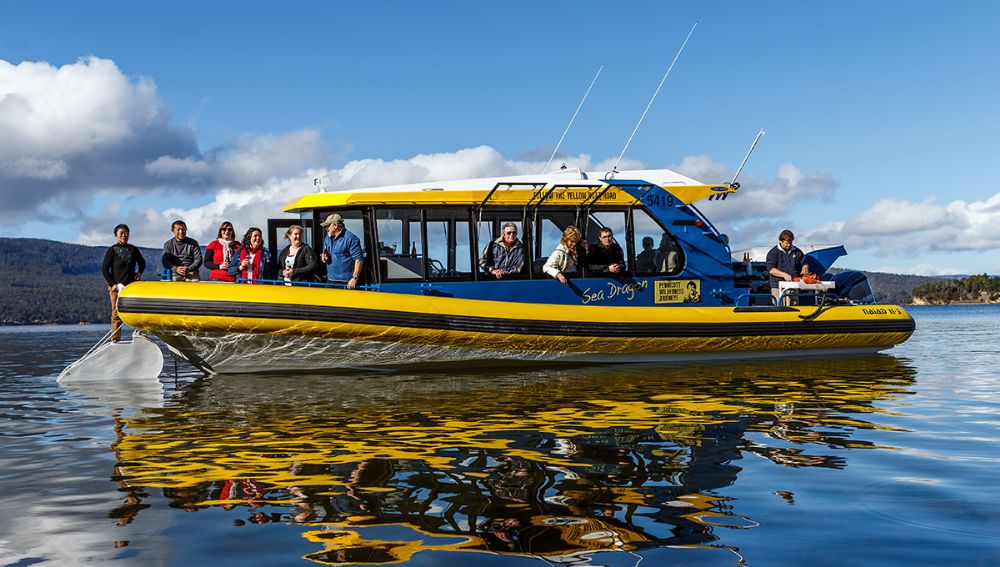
(342, 252)
(785, 262)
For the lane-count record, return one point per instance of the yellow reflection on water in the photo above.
(549, 463)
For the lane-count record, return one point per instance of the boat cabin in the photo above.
(428, 239)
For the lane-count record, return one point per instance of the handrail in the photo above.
(774, 301)
(242, 280)
(294, 283)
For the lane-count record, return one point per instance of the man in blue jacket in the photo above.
(342, 252)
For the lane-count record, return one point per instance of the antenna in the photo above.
(614, 170)
(750, 151)
(318, 182)
(571, 120)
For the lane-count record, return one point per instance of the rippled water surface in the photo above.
(881, 460)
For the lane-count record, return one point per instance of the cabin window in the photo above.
(353, 222)
(306, 220)
(548, 233)
(490, 227)
(449, 247)
(400, 245)
(656, 250)
(615, 220)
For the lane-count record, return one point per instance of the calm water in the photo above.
(880, 460)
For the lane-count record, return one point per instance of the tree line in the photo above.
(44, 281)
(973, 289)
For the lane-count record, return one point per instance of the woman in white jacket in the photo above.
(564, 259)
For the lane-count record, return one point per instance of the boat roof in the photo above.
(569, 186)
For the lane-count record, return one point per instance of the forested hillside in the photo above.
(973, 289)
(896, 288)
(44, 281)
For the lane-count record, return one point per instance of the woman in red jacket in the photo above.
(222, 252)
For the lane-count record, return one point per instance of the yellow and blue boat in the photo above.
(424, 299)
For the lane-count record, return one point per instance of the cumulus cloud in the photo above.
(902, 228)
(245, 161)
(765, 204)
(250, 205)
(72, 130)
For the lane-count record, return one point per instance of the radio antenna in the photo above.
(614, 170)
(572, 119)
(750, 151)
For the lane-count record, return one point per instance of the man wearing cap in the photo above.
(342, 252)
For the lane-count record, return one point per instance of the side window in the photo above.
(548, 233)
(657, 252)
(449, 249)
(399, 244)
(610, 220)
(462, 266)
(355, 224)
(306, 220)
(353, 221)
(489, 228)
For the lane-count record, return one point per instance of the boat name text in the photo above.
(882, 311)
(626, 290)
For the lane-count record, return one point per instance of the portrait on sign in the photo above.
(678, 291)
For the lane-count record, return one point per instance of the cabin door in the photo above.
(276, 234)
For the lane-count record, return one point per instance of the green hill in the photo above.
(44, 281)
(896, 288)
(972, 289)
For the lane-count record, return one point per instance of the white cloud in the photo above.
(906, 229)
(77, 129)
(252, 205)
(762, 207)
(73, 108)
(245, 161)
(919, 269)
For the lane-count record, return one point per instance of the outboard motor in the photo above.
(852, 286)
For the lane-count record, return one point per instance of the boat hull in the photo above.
(243, 328)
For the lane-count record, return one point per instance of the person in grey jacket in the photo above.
(182, 255)
(505, 255)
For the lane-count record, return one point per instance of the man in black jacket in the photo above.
(605, 256)
(785, 262)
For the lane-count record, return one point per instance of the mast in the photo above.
(614, 170)
(579, 106)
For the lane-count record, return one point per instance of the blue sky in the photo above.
(881, 118)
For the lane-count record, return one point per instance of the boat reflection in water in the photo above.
(553, 464)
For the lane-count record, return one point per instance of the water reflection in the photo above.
(555, 464)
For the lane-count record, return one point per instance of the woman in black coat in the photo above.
(297, 262)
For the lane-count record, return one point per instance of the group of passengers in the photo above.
(228, 259)
(505, 255)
